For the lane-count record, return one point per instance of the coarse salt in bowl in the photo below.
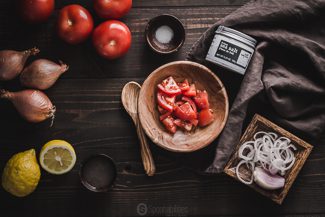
(165, 34)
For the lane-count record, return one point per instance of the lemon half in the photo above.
(57, 157)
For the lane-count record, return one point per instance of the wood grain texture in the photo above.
(91, 117)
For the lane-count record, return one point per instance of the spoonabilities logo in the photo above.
(142, 209)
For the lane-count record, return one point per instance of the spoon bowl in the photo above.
(130, 94)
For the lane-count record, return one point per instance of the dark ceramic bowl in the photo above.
(98, 173)
(177, 40)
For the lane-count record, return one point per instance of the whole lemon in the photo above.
(21, 174)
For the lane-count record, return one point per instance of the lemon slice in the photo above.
(57, 157)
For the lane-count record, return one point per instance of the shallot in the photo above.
(32, 105)
(266, 180)
(12, 62)
(42, 74)
(269, 155)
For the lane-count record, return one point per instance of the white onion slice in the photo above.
(269, 151)
(250, 155)
(250, 181)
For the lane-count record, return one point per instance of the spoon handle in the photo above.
(147, 160)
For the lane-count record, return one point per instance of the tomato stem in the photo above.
(69, 22)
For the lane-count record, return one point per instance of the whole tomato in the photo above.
(75, 24)
(112, 39)
(112, 9)
(35, 11)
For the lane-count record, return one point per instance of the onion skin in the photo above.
(33, 105)
(12, 62)
(42, 74)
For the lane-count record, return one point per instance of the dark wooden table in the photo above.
(91, 117)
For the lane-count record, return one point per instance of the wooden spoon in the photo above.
(130, 95)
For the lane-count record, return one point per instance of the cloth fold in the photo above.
(285, 81)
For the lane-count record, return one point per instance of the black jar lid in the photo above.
(239, 36)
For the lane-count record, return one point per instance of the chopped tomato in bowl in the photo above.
(189, 136)
(165, 102)
(170, 87)
(191, 91)
(182, 106)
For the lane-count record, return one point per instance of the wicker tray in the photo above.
(260, 123)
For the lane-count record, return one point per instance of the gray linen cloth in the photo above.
(285, 81)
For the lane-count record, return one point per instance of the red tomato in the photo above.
(112, 9)
(178, 122)
(35, 11)
(205, 117)
(165, 102)
(161, 110)
(74, 24)
(184, 86)
(185, 112)
(169, 124)
(112, 39)
(202, 99)
(163, 116)
(191, 92)
(179, 103)
(190, 101)
(169, 86)
(194, 122)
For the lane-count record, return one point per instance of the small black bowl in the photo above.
(98, 173)
(178, 38)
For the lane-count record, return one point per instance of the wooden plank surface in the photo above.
(91, 117)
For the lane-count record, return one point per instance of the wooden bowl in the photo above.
(181, 141)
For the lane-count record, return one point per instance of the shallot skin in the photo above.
(33, 105)
(42, 74)
(12, 62)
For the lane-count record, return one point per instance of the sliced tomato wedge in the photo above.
(184, 86)
(170, 99)
(164, 116)
(166, 102)
(195, 122)
(169, 86)
(190, 101)
(190, 92)
(169, 124)
(178, 122)
(202, 99)
(185, 112)
(179, 103)
(161, 110)
(205, 117)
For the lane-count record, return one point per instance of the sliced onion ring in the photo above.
(273, 153)
(250, 181)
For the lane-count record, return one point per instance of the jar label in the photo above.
(233, 53)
